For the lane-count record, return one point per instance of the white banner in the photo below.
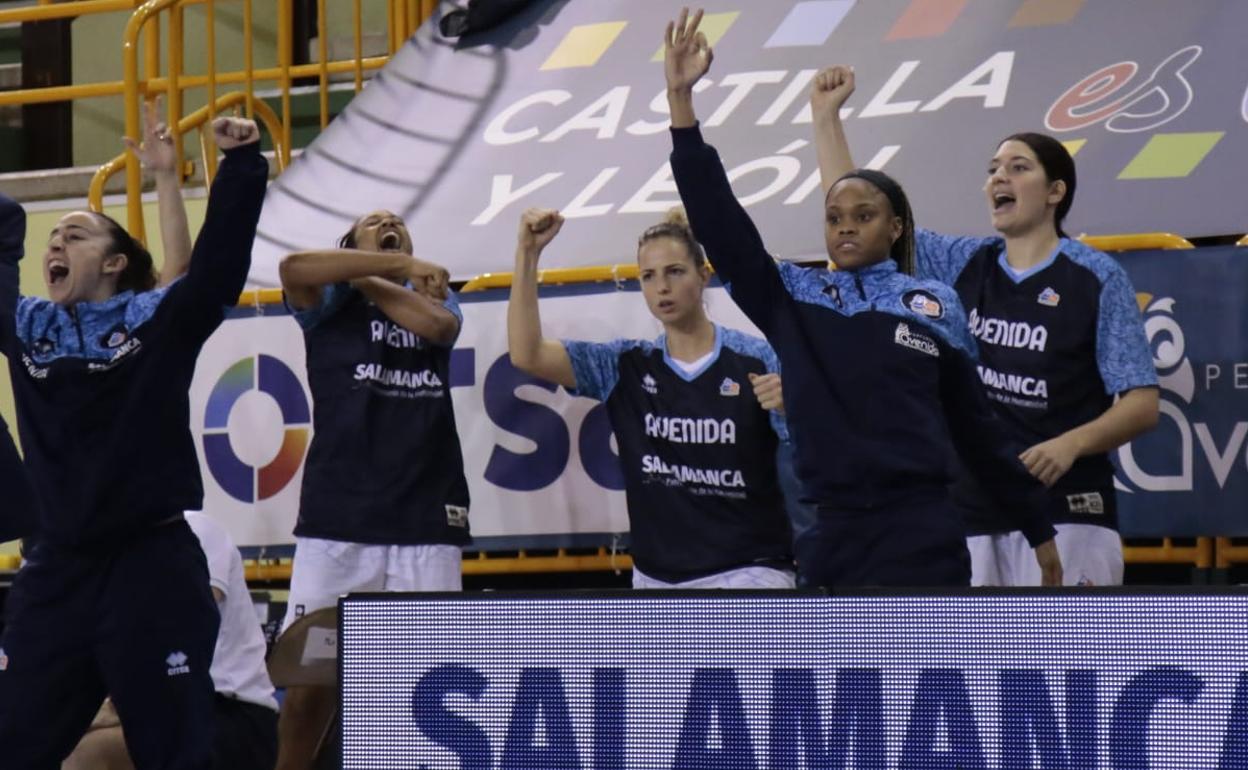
(539, 461)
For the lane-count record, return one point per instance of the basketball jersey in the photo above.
(879, 378)
(1056, 343)
(385, 464)
(698, 453)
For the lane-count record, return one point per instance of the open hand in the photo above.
(156, 152)
(234, 132)
(686, 54)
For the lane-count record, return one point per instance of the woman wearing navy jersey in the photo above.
(114, 597)
(384, 503)
(1064, 358)
(879, 377)
(693, 414)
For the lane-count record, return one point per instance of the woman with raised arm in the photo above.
(384, 503)
(114, 597)
(879, 366)
(157, 154)
(698, 448)
(1064, 358)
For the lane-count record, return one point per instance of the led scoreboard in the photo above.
(796, 680)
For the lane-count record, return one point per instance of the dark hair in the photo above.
(1057, 164)
(138, 274)
(902, 251)
(347, 241)
(676, 226)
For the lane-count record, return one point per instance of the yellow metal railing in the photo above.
(142, 76)
(481, 563)
(1137, 241)
(262, 111)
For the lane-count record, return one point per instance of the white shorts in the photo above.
(326, 569)
(1091, 556)
(743, 577)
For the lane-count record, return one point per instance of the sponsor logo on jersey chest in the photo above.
(1049, 298)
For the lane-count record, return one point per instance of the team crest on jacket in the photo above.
(649, 385)
(116, 337)
(729, 387)
(923, 303)
(1048, 297)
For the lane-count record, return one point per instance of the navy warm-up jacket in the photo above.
(880, 383)
(102, 388)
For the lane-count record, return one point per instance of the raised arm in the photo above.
(12, 246)
(829, 90)
(221, 256)
(686, 58)
(158, 155)
(721, 225)
(530, 352)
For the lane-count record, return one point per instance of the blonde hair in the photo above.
(675, 225)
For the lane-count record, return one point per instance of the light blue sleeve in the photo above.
(333, 297)
(943, 257)
(596, 365)
(755, 347)
(959, 332)
(1122, 352)
(452, 304)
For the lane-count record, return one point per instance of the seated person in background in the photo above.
(246, 712)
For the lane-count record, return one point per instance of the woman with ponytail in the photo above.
(696, 413)
(114, 596)
(1065, 361)
(879, 378)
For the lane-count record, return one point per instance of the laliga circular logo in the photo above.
(261, 404)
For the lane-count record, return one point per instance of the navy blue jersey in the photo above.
(879, 377)
(102, 388)
(698, 452)
(385, 465)
(1056, 344)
